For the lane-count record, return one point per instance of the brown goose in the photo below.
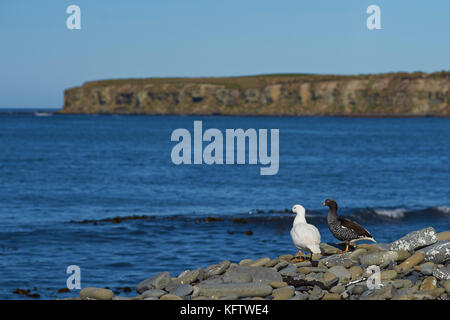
(344, 229)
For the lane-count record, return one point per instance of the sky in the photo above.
(40, 57)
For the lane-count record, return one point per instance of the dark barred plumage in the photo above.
(344, 229)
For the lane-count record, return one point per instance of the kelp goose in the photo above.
(344, 229)
(305, 236)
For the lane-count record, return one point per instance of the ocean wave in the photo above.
(369, 215)
(443, 209)
(396, 213)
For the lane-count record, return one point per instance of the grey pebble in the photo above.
(182, 290)
(158, 281)
(153, 293)
(316, 293)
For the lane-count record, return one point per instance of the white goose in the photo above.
(306, 237)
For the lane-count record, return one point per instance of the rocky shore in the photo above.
(414, 267)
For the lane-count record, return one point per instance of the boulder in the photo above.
(414, 240)
(92, 293)
(438, 252)
(236, 289)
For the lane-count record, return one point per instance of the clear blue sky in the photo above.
(40, 57)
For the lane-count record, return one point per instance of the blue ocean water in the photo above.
(391, 175)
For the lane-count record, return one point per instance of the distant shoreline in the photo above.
(398, 94)
(361, 116)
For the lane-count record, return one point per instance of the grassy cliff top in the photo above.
(262, 79)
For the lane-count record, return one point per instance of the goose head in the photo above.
(298, 209)
(329, 203)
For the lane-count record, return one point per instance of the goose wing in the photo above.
(354, 226)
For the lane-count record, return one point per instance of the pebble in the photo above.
(368, 247)
(170, 297)
(303, 264)
(263, 275)
(442, 273)
(428, 283)
(413, 297)
(401, 283)
(283, 293)
(345, 295)
(318, 269)
(203, 298)
(236, 277)
(359, 289)
(316, 293)
(213, 280)
(354, 255)
(434, 292)
(172, 285)
(356, 272)
(381, 258)
(158, 281)
(260, 262)
(280, 265)
(245, 262)
(377, 294)
(300, 296)
(413, 260)
(290, 270)
(182, 290)
(331, 296)
(156, 293)
(337, 260)
(382, 246)
(285, 257)
(447, 286)
(216, 269)
(271, 263)
(337, 289)
(277, 285)
(327, 249)
(236, 289)
(182, 274)
(329, 278)
(341, 272)
(427, 268)
(230, 298)
(195, 291)
(445, 235)
(388, 275)
(313, 276)
(191, 276)
(96, 293)
(304, 270)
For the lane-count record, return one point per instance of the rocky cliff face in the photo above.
(382, 94)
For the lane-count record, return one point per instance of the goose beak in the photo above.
(323, 204)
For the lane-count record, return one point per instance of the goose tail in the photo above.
(365, 238)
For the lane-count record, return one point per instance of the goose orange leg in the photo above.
(298, 257)
(346, 247)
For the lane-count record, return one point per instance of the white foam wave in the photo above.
(397, 213)
(443, 209)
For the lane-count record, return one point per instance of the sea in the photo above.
(102, 193)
